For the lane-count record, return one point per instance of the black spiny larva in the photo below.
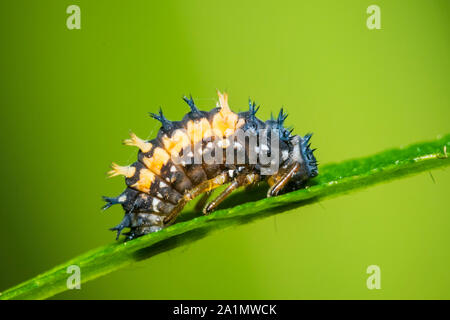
(159, 185)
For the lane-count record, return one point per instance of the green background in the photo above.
(68, 98)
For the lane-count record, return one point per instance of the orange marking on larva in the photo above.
(177, 142)
(135, 141)
(223, 102)
(146, 178)
(198, 130)
(155, 163)
(224, 122)
(117, 170)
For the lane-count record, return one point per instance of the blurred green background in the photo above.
(68, 98)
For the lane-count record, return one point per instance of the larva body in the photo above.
(202, 152)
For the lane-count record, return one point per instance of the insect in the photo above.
(203, 151)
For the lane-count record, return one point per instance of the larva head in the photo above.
(294, 149)
(308, 156)
(304, 155)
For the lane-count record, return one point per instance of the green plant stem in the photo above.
(334, 179)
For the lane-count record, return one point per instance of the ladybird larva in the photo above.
(203, 151)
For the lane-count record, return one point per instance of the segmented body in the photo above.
(201, 152)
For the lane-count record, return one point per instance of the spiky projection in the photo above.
(191, 104)
(167, 125)
(135, 141)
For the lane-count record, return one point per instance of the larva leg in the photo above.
(201, 203)
(206, 186)
(243, 180)
(172, 216)
(203, 187)
(278, 176)
(225, 193)
(280, 182)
